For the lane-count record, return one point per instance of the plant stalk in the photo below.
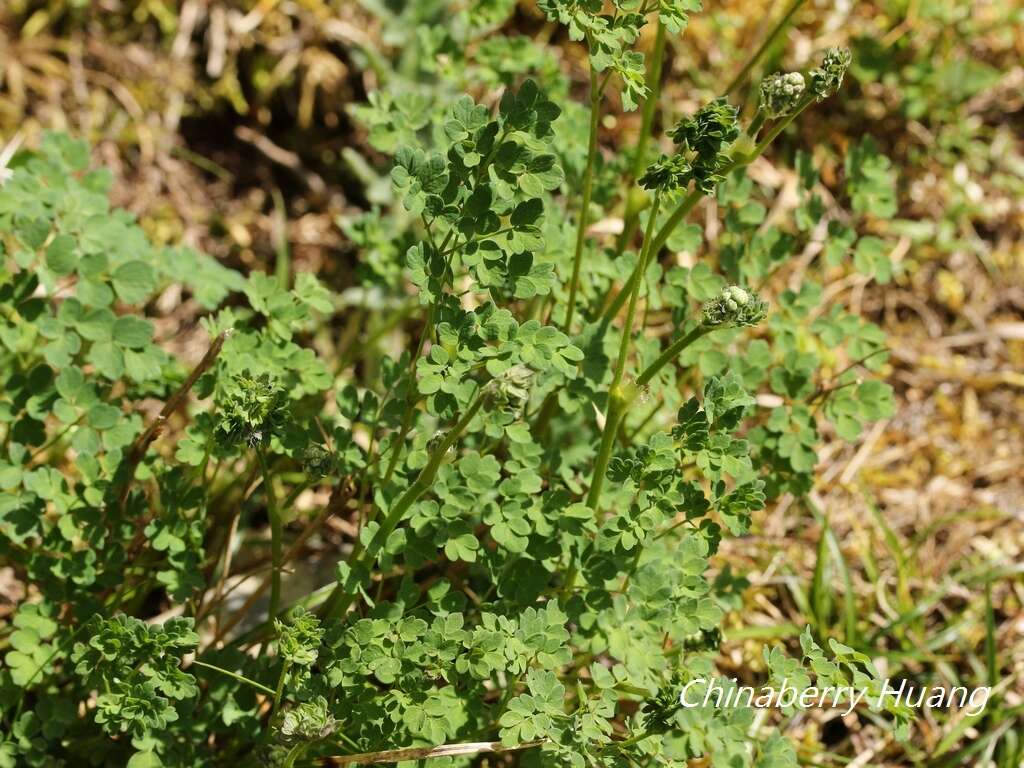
(685, 206)
(618, 404)
(631, 218)
(616, 398)
(584, 215)
(777, 30)
(689, 202)
(285, 668)
(343, 594)
(276, 534)
(412, 396)
(671, 353)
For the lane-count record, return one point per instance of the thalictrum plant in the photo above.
(533, 478)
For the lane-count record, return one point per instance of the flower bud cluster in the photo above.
(317, 461)
(251, 408)
(511, 389)
(826, 80)
(706, 135)
(308, 721)
(780, 93)
(667, 173)
(715, 125)
(735, 306)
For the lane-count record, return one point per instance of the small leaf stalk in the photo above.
(616, 398)
(344, 593)
(584, 213)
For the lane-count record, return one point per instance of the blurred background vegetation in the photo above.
(255, 132)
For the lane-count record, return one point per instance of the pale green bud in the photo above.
(735, 306)
(825, 81)
(781, 92)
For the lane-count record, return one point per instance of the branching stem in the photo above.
(689, 202)
(343, 595)
(616, 397)
(777, 30)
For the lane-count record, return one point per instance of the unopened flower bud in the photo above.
(827, 79)
(317, 461)
(308, 721)
(780, 93)
(251, 409)
(667, 173)
(735, 306)
(512, 387)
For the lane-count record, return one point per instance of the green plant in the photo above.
(536, 482)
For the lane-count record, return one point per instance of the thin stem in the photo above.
(777, 30)
(236, 676)
(53, 440)
(276, 533)
(588, 178)
(682, 210)
(671, 353)
(631, 218)
(779, 127)
(616, 397)
(634, 296)
(343, 595)
(755, 124)
(689, 202)
(619, 404)
(339, 497)
(283, 263)
(295, 753)
(824, 389)
(138, 448)
(428, 328)
(631, 740)
(410, 409)
(280, 688)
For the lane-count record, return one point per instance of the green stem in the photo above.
(343, 595)
(396, 447)
(588, 178)
(280, 688)
(631, 217)
(671, 353)
(236, 676)
(777, 30)
(294, 754)
(779, 127)
(276, 533)
(617, 408)
(755, 124)
(616, 398)
(53, 440)
(630, 741)
(282, 265)
(685, 206)
(688, 203)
